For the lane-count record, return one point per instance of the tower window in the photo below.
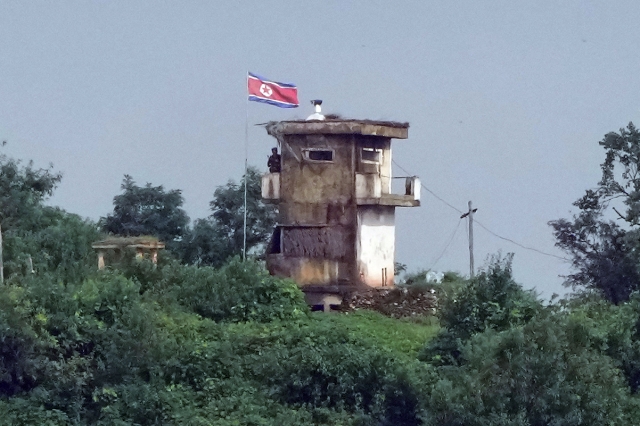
(371, 155)
(319, 154)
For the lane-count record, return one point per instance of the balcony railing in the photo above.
(369, 191)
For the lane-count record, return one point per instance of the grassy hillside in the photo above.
(404, 338)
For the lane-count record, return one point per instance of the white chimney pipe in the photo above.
(317, 115)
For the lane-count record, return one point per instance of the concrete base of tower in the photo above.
(325, 302)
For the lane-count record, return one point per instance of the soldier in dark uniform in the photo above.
(274, 161)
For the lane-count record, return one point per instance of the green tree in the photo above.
(220, 236)
(36, 237)
(22, 191)
(490, 301)
(59, 243)
(614, 330)
(227, 209)
(147, 210)
(605, 253)
(542, 373)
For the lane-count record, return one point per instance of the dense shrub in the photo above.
(492, 300)
(613, 330)
(541, 373)
(238, 291)
(58, 244)
(316, 366)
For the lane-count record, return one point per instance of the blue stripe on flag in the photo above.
(266, 80)
(272, 102)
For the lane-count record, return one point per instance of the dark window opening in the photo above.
(371, 154)
(316, 308)
(320, 155)
(276, 241)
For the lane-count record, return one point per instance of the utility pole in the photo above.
(470, 215)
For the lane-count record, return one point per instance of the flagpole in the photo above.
(246, 155)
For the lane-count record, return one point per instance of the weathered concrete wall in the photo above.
(323, 300)
(271, 186)
(306, 182)
(383, 168)
(376, 245)
(317, 210)
(310, 271)
(327, 240)
(368, 185)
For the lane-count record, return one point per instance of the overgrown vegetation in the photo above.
(190, 344)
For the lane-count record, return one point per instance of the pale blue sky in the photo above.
(507, 101)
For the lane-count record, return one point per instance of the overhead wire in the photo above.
(479, 223)
(453, 234)
(518, 244)
(427, 189)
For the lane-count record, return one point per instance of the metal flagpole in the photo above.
(246, 154)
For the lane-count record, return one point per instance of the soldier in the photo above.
(274, 161)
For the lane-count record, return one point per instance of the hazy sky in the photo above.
(507, 101)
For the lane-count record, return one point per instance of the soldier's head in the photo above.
(274, 150)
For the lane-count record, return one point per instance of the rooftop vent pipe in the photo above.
(316, 115)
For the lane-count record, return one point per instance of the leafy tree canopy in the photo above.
(541, 373)
(39, 238)
(23, 188)
(604, 252)
(147, 210)
(215, 239)
(490, 301)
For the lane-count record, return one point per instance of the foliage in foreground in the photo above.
(541, 373)
(161, 346)
(491, 301)
(173, 344)
(113, 349)
(38, 238)
(503, 358)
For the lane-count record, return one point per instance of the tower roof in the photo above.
(387, 129)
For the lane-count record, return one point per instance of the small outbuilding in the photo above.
(118, 245)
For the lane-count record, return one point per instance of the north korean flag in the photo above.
(283, 95)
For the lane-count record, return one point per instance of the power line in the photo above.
(447, 246)
(479, 223)
(520, 245)
(427, 189)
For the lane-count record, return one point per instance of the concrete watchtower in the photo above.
(336, 224)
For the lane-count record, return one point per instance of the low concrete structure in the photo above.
(336, 224)
(118, 245)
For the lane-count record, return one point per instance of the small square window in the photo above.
(319, 154)
(371, 155)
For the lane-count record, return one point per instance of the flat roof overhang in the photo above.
(385, 129)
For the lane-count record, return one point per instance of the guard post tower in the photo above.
(336, 224)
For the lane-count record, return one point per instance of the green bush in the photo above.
(58, 243)
(321, 367)
(613, 330)
(540, 373)
(239, 291)
(492, 300)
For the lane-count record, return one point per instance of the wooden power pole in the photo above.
(470, 215)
